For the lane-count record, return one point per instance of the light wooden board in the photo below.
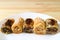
(50, 7)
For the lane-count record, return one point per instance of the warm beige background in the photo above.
(50, 7)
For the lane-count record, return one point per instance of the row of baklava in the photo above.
(37, 26)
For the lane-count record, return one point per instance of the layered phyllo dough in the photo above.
(6, 27)
(28, 25)
(17, 27)
(39, 26)
(51, 26)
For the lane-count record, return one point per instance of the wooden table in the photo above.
(49, 7)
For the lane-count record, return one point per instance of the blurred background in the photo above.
(49, 7)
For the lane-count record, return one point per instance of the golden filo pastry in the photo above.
(39, 26)
(6, 30)
(17, 27)
(6, 27)
(28, 25)
(8, 22)
(51, 26)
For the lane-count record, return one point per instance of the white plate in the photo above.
(27, 36)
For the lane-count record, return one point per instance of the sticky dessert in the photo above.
(17, 27)
(6, 27)
(51, 26)
(39, 26)
(28, 25)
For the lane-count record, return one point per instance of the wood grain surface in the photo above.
(49, 7)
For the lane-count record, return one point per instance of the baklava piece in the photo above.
(51, 26)
(28, 25)
(6, 27)
(17, 27)
(39, 26)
